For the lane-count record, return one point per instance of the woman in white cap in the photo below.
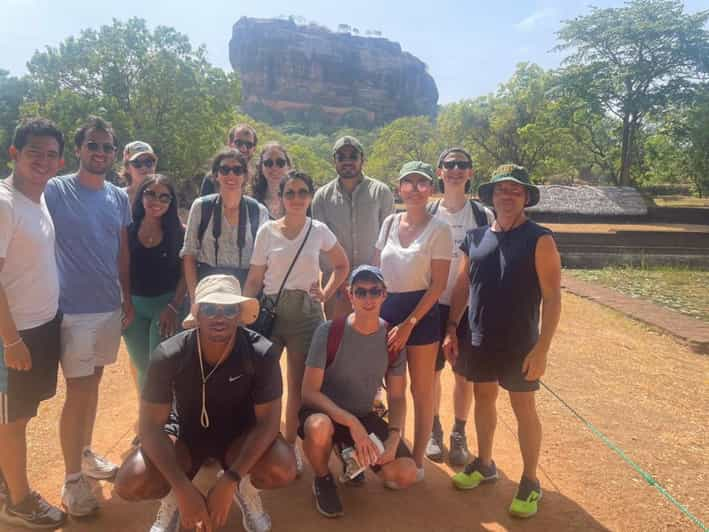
(414, 250)
(139, 160)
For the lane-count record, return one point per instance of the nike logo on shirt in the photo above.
(232, 379)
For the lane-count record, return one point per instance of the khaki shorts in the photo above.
(89, 341)
(297, 317)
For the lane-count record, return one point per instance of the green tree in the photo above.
(12, 92)
(152, 85)
(633, 60)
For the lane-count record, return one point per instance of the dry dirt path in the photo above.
(646, 392)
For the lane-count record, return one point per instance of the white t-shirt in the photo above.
(29, 276)
(409, 269)
(276, 252)
(460, 223)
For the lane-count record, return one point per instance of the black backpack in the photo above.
(212, 208)
(478, 211)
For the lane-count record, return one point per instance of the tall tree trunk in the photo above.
(626, 151)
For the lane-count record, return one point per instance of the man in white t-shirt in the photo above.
(455, 169)
(29, 315)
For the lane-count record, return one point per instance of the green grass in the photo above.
(680, 201)
(683, 290)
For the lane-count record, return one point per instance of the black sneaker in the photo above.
(33, 512)
(327, 501)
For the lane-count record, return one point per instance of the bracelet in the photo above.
(233, 475)
(13, 344)
(169, 305)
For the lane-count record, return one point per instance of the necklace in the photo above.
(204, 417)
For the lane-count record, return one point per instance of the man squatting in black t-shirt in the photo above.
(338, 394)
(211, 392)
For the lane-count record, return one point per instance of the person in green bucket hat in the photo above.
(510, 279)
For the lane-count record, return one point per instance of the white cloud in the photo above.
(530, 22)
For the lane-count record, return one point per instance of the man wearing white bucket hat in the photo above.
(211, 392)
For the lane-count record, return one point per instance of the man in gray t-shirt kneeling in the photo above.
(347, 361)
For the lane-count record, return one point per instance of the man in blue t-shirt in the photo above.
(91, 217)
(510, 269)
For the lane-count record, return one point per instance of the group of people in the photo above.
(353, 291)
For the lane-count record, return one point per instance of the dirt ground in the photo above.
(614, 228)
(646, 392)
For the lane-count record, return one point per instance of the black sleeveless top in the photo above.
(505, 295)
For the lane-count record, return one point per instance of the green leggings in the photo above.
(143, 335)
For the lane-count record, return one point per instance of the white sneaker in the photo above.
(253, 517)
(419, 474)
(96, 466)
(77, 498)
(168, 516)
(299, 462)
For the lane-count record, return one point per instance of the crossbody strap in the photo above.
(297, 254)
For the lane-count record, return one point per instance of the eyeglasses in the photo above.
(280, 163)
(244, 144)
(95, 146)
(236, 170)
(361, 293)
(302, 193)
(463, 165)
(341, 157)
(154, 196)
(210, 310)
(409, 186)
(138, 163)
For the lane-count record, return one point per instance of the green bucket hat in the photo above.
(509, 172)
(417, 167)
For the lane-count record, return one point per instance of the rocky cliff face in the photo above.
(291, 71)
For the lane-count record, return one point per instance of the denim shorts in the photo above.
(398, 306)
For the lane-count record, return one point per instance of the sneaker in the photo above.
(434, 447)
(419, 475)
(253, 517)
(4, 491)
(327, 501)
(459, 454)
(474, 474)
(96, 466)
(526, 501)
(168, 516)
(33, 512)
(299, 462)
(77, 498)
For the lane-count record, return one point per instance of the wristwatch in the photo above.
(232, 475)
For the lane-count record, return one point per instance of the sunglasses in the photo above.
(302, 193)
(137, 163)
(410, 186)
(361, 293)
(236, 170)
(463, 165)
(244, 144)
(95, 146)
(210, 310)
(280, 163)
(153, 196)
(344, 157)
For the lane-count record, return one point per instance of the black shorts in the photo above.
(22, 391)
(207, 443)
(504, 368)
(342, 437)
(464, 345)
(398, 306)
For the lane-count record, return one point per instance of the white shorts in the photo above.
(89, 341)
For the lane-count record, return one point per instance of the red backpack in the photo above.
(334, 339)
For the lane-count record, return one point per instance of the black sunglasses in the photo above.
(162, 198)
(463, 165)
(236, 170)
(344, 157)
(244, 143)
(137, 163)
(302, 193)
(95, 146)
(280, 163)
(210, 310)
(361, 293)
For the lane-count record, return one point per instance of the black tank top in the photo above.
(504, 293)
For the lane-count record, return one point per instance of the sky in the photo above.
(470, 47)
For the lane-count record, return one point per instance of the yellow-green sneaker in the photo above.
(526, 500)
(474, 474)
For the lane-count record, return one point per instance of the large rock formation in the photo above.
(291, 72)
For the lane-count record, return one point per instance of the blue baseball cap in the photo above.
(366, 268)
